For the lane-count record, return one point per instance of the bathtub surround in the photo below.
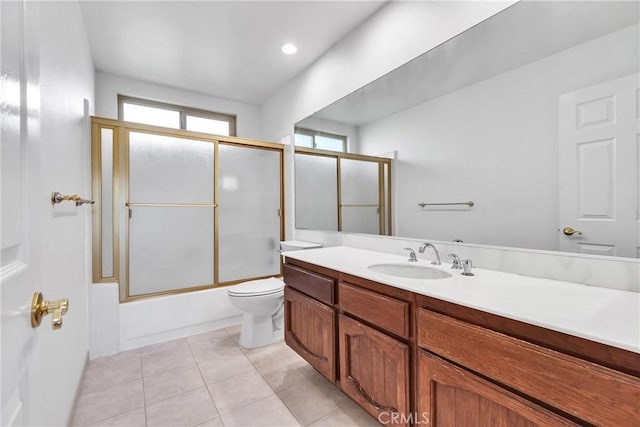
(119, 327)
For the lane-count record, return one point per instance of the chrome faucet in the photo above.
(455, 265)
(435, 251)
(412, 255)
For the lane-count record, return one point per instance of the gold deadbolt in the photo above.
(568, 231)
(40, 308)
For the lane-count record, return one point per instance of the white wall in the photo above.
(496, 143)
(399, 32)
(108, 86)
(66, 80)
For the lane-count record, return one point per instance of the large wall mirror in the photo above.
(532, 115)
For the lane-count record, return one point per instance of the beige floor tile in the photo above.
(214, 335)
(108, 371)
(135, 418)
(213, 344)
(224, 366)
(108, 402)
(238, 391)
(342, 418)
(285, 373)
(308, 400)
(267, 412)
(216, 422)
(270, 353)
(172, 345)
(234, 332)
(162, 360)
(171, 383)
(186, 410)
(116, 360)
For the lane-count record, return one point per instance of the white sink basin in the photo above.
(409, 271)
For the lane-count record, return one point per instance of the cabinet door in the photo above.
(310, 331)
(374, 371)
(451, 396)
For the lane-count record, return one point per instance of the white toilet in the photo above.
(262, 304)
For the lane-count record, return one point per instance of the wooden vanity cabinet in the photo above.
(410, 359)
(310, 318)
(465, 369)
(374, 365)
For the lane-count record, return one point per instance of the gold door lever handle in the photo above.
(568, 231)
(40, 308)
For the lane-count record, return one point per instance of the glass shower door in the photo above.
(250, 203)
(360, 196)
(171, 213)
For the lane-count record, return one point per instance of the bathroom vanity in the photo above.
(492, 349)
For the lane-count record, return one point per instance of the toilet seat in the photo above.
(258, 287)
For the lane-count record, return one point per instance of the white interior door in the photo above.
(20, 272)
(45, 74)
(598, 169)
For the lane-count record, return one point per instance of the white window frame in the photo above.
(184, 111)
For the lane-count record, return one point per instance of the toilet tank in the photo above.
(297, 245)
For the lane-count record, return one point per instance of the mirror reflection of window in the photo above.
(320, 140)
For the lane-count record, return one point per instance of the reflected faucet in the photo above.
(435, 251)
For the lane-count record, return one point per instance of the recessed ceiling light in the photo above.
(289, 48)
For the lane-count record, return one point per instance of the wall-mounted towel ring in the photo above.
(59, 198)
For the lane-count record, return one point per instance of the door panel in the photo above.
(310, 331)
(170, 248)
(374, 371)
(450, 396)
(249, 230)
(171, 213)
(598, 169)
(21, 260)
(45, 75)
(166, 169)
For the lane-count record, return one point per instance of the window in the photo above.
(320, 140)
(175, 116)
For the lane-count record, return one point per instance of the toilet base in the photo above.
(258, 331)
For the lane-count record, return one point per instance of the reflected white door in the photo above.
(598, 169)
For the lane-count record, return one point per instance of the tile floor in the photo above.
(208, 380)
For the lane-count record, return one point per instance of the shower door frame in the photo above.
(120, 182)
(384, 185)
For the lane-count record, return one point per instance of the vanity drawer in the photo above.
(312, 284)
(583, 389)
(383, 311)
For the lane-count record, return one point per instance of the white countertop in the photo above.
(604, 315)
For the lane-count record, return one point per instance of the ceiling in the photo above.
(228, 49)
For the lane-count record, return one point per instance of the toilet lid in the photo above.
(257, 287)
